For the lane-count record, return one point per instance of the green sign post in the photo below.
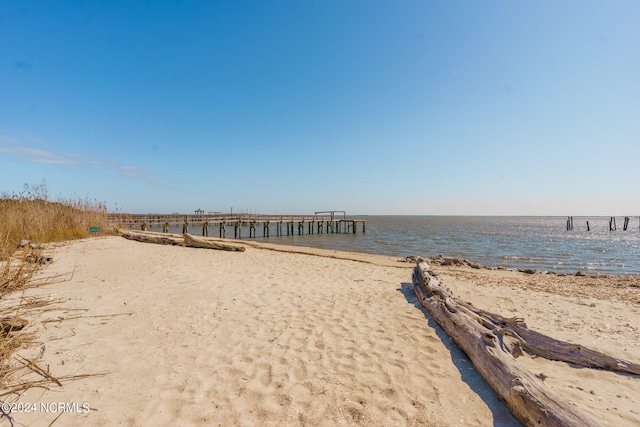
(95, 229)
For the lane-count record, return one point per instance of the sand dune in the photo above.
(202, 337)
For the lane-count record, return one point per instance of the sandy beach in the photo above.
(185, 336)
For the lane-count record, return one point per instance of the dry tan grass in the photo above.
(32, 216)
(29, 215)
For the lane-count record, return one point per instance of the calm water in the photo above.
(540, 243)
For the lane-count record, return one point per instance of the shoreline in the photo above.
(543, 246)
(278, 337)
(356, 255)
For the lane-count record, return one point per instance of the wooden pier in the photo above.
(319, 223)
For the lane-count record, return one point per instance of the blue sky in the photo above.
(373, 107)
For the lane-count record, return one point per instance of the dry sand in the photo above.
(201, 337)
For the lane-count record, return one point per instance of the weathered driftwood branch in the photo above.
(492, 348)
(197, 242)
(541, 345)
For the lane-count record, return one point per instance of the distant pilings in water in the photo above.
(570, 223)
(612, 224)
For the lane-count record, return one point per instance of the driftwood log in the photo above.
(492, 344)
(197, 242)
(184, 240)
(152, 238)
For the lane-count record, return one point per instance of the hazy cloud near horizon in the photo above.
(30, 154)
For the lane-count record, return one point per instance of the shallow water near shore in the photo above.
(540, 243)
